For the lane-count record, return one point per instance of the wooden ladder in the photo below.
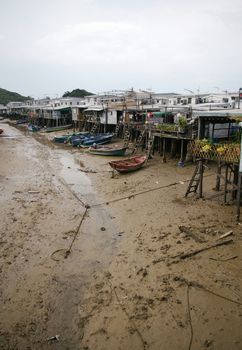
(117, 130)
(126, 138)
(239, 196)
(94, 128)
(197, 179)
(139, 141)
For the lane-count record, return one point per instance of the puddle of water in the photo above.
(12, 137)
(77, 180)
(10, 132)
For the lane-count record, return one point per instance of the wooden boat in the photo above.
(129, 164)
(58, 128)
(107, 151)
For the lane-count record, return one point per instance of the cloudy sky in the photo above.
(50, 46)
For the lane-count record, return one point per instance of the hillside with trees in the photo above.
(9, 96)
(77, 93)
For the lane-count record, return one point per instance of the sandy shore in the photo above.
(101, 262)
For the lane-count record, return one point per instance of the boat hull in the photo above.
(129, 164)
(100, 141)
(58, 128)
(22, 121)
(66, 138)
(33, 128)
(107, 151)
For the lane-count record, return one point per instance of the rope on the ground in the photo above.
(68, 251)
(189, 317)
(144, 343)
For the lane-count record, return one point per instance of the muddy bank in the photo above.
(123, 283)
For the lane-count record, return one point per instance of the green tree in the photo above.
(9, 96)
(77, 93)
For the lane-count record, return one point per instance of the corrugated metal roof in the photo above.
(219, 113)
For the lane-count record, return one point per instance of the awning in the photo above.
(93, 109)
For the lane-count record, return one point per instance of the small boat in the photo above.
(1, 131)
(58, 128)
(129, 164)
(61, 139)
(107, 151)
(100, 139)
(76, 140)
(22, 121)
(33, 128)
(69, 137)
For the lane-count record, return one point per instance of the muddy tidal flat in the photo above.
(94, 262)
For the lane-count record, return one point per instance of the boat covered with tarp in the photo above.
(99, 139)
(89, 140)
(68, 137)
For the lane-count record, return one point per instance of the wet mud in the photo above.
(88, 261)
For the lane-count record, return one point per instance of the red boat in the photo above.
(1, 131)
(129, 164)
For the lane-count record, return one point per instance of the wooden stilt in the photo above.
(235, 180)
(181, 161)
(160, 147)
(164, 150)
(226, 183)
(201, 178)
(173, 148)
(239, 196)
(217, 187)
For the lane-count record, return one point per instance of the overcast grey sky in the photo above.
(50, 46)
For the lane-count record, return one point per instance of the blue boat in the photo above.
(33, 128)
(69, 137)
(22, 121)
(76, 140)
(89, 140)
(100, 139)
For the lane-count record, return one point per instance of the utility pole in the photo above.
(240, 96)
(239, 181)
(106, 118)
